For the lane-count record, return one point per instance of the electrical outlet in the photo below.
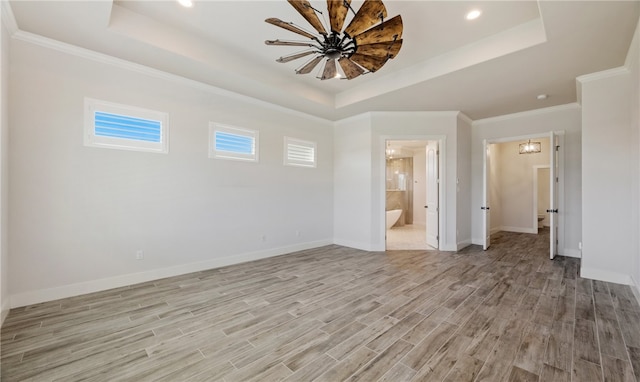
(580, 245)
(139, 255)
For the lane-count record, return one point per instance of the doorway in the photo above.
(511, 188)
(411, 195)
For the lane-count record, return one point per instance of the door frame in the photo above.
(560, 134)
(382, 184)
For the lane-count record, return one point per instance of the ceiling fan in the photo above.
(364, 46)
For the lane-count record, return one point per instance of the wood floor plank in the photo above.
(560, 346)
(380, 365)
(616, 370)
(586, 341)
(634, 357)
(586, 371)
(465, 370)
(530, 355)
(425, 349)
(335, 313)
(521, 375)
(345, 368)
(553, 374)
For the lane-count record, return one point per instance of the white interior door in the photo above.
(433, 199)
(553, 194)
(486, 218)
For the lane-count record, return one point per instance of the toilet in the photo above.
(540, 219)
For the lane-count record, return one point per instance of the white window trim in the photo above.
(216, 154)
(90, 139)
(300, 142)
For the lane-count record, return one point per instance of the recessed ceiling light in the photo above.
(542, 96)
(186, 3)
(472, 15)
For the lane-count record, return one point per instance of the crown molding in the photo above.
(528, 113)
(603, 74)
(465, 118)
(8, 18)
(155, 73)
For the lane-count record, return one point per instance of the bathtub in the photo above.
(392, 217)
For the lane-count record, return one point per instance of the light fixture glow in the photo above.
(186, 3)
(530, 147)
(474, 14)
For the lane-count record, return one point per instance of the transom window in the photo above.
(124, 127)
(229, 142)
(299, 153)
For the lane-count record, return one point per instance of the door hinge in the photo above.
(437, 237)
(557, 148)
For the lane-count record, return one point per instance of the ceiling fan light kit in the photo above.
(364, 46)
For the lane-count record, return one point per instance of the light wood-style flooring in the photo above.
(336, 314)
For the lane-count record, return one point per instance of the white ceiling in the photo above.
(491, 66)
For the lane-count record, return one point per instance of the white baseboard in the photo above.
(4, 310)
(357, 245)
(603, 275)
(518, 229)
(635, 288)
(463, 244)
(50, 294)
(570, 252)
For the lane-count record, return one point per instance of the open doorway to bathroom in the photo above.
(411, 178)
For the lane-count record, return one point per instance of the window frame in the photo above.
(230, 155)
(303, 143)
(91, 106)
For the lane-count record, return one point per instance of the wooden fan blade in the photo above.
(369, 62)
(288, 43)
(337, 13)
(381, 49)
(304, 8)
(292, 57)
(329, 70)
(387, 31)
(350, 69)
(367, 16)
(308, 67)
(290, 27)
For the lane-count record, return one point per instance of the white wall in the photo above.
(633, 64)
(515, 184)
(78, 214)
(4, 168)
(463, 182)
(608, 229)
(565, 118)
(420, 186)
(352, 183)
(495, 192)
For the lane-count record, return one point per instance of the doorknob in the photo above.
(426, 206)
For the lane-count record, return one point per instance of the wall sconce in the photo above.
(530, 147)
